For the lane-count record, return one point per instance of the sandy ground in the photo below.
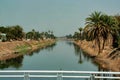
(8, 49)
(102, 58)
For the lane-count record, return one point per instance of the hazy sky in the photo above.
(61, 16)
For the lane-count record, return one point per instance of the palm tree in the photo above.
(99, 27)
(117, 17)
(76, 35)
(80, 29)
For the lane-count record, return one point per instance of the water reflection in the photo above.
(37, 51)
(15, 63)
(83, 57)
(78, 52)
(50, 47)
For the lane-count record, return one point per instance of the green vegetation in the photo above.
(22, 48)
(100, 28)
(16, 33)
(32, 45)
(13, 32)
(35, 35)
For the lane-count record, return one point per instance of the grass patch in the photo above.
(22, 48)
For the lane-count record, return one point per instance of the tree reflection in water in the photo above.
(14, 62)
(83, 56)
(49, 48)
(17, 62)
(78, 51)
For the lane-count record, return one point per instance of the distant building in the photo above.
(3, 37)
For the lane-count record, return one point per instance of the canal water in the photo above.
(63, 55)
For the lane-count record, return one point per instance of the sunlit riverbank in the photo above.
(104, 59)
(16, 48)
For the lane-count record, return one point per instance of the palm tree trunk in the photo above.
(98, 43)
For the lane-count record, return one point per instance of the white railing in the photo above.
(59, 75)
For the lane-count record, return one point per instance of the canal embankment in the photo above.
(14, 49)
(104, 59)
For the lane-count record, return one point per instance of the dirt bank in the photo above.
(103, 59)
(16, 48)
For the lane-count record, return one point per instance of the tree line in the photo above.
(17, 33)
(100, 27)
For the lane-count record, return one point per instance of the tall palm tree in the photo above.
(112, 23)
(98, 27)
